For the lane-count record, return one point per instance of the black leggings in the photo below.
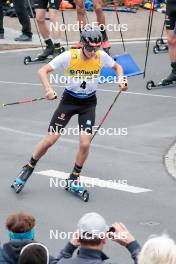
(23, 17)
(1, 17)
(69, 106)
(170, 15)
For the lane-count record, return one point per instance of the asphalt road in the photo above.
(148, 116)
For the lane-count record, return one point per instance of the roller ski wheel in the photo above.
(160, 47)
(159, 42)
(18, 185)
(156, 49)
(150, 85)
(58, 51)
(77, 189)
(85, 196)
(62, 49)
(27, 60)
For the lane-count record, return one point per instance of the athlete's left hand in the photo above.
(123, 83)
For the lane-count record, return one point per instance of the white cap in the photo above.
(92, 223)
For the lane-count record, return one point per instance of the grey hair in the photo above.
(158, 250)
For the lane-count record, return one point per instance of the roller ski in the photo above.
(51, 51)
(170, 81)
(20, 181)
(74, 186)
(151, 84)
(160, 46)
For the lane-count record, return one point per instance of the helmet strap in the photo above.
(84, 52)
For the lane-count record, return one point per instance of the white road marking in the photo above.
(88, 181)
(21, 83)
(98, 89)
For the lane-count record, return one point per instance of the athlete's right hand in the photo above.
(51, 95)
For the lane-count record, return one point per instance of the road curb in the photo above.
(170, 160)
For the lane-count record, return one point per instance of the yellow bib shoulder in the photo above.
(88, 68)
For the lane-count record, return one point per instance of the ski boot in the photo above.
(58, 49)
(170, 81)
(47, 54)
(106, 46)
(74, 185)
(48, 51)
(20, 181)
(172, 76)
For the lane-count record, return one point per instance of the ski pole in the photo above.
(63, 19)
(105, 116)
(149, 35)
(118, 20)
(163, 27)
(25, 101)
(36, 24)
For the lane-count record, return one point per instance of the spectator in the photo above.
(21, 232)
(52, 36)
(171, 38)
(1, 20)
(24, 19)
(35, 253)
(91, 237)
(158, 250)
(98, 7)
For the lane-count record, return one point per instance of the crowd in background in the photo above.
(86, 245)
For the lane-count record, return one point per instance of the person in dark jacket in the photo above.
(1, 20)
(24, 19)
(171, 39)
(90, 239)
(35, 253)
(21, 232)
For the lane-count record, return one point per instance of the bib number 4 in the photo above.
(83, 85)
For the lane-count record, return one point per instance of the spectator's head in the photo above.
(20, 226)
(35, 253)
(158, 250)
(92, 230)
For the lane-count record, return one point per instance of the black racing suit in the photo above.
(23, 17)
(1, 17)
(171, 15)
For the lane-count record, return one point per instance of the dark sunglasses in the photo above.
(90, 48)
